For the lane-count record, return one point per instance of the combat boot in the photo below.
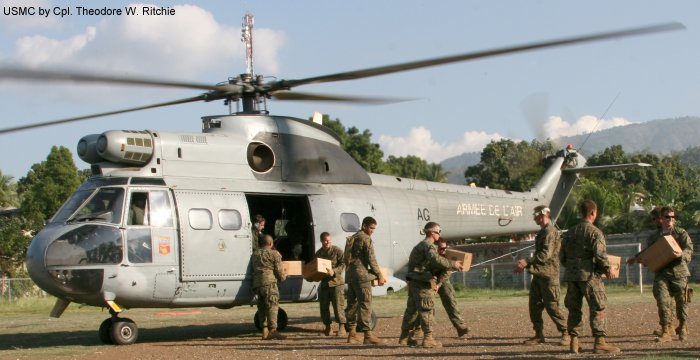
(413, 337)
(266, 333)
(275, 335)
(326, 330)
(574, 348)
(462, 330)
(565, 339)
(341, 330)
(537, 339)
(682, 331)
(371, 339)
(665, 334)
(601, 347)
(403, 338)
(429, 341)
(353, 338)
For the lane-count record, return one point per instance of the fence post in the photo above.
(9, 289)
(525, 279)
(493, 278)
(641, 283)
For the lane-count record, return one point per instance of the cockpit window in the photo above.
(106, 206)
(71, 205)
(86, 245)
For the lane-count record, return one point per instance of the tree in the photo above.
(47, 185)
(508, 165)
(13, 244)
(8, 191)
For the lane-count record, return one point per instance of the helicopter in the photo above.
(165, 220)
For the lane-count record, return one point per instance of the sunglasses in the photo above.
(442, 248)
(668, 217)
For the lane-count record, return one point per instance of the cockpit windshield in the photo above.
(106, 206)
(86, 245)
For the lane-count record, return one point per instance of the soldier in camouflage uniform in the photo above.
(544, 289)
(362, 268)
(257, 228)
(267, 271)
(671, 282)
(332, 289)
(583, 254)
(447, 296)
(423, 262)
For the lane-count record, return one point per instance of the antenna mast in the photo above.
(247, 39)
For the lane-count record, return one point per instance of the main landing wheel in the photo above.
(118, 331)
(282, 320)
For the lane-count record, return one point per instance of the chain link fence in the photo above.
(12, 289)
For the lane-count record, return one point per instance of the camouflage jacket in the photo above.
(335, 255)
(424, 261)
(677, 268)
(361, 264)
(545, 261)
(583, 253)
(267, 267)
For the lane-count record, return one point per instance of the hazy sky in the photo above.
(458, 107)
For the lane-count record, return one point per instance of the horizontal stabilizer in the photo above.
(589, 169)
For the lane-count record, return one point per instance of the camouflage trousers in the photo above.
(359, 311)
(420, 307)
(449, 302)
(268, 305)
(593, 291)
(667, 289)
(544, 295)
(335, 296)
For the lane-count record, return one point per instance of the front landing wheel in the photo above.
(123, 331)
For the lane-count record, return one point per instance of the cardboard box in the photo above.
(292, 267)
(660, 253)
(315, 270)
(385, 275)
(456, 255)
(615, 262)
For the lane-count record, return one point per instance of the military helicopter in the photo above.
(165, 219)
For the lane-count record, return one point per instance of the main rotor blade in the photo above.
(55, 75)
(300, 96)
(85, 117)
(382, 70)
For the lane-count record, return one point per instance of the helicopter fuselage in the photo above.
(166, 219)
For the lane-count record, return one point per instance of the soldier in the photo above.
(671, 282)
(583, 254)
(423, 262)
(544, 289)
(447, 296)
(331, 290)
(267, 271)
(362, 268)
(257, 230)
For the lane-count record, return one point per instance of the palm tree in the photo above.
(8, 191)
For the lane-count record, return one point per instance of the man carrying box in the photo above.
(362, 268)
(671, 281)
(544, 289)
(423, 262)
(331, 290)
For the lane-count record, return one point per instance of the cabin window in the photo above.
(230, 219)
(200, 219)
(161, 212)
(138, 243)
(349, 222)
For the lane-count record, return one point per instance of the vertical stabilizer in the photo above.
(555, 185)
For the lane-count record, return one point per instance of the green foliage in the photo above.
(508, 165)
(47, 185)
(8, 191)
(14, 241)
(369, 155)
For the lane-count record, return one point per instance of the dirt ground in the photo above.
(498, 327)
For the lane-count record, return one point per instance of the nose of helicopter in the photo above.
(66, 282)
